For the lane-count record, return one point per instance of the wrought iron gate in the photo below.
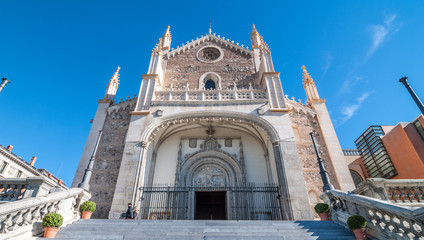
(247, 202)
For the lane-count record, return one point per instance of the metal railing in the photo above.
(246, 202)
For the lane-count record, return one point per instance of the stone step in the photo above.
(214, 238)
(205, 229)
(188, 227)
(166, 223)
(69, 232)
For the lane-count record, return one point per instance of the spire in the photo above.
(255, 38)
(306, 77)
(166, 39)
(258, 41)
(210, 27)
(112, 87)
(309, 85)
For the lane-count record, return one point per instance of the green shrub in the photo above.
(322, 208)
(88, 206)
(52, 220)
(356, 222)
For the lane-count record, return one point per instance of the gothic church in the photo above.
(211, 135)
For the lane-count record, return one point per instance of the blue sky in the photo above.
(59, 56)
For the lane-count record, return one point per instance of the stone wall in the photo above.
(109, 155)
(186, 68)
(303, 123)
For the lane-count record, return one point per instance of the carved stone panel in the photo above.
(192, 142)
(209, 176)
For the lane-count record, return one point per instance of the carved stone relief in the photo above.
(192, 142)
(228, 142)
(209, 176)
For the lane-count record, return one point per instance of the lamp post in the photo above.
(4, 81)
(420, 105)
(324, 175)
(87, 174)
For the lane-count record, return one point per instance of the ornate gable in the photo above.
(209, 58)
(211, 38)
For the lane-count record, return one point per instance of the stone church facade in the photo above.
(211, 135)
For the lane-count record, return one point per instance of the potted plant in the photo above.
(87, 208)
(51, 223)
(322, 209)
(358, 226)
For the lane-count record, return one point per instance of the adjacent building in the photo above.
(13, 166)
(395, 152)
(356, 168)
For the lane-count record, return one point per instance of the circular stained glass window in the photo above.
(209, 54)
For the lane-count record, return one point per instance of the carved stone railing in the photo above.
(22, 219)
(12, 189)
(385, 220)
(407, 192)
(210, 95)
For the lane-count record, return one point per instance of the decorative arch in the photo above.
(229, 169)
(210, 76)
(178, 118)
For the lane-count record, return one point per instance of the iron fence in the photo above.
(246, 202)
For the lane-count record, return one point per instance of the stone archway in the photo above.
(210, 168)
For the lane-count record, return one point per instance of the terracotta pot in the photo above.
(86, 215)
(360, 233)
(50, 232)
(324, 216)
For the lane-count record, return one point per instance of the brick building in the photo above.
(395, 152)
(211, 135)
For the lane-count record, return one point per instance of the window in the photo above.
(19, 174)
(357, 178)
(209, 84)
(374, 155)
(3, 167)
(420, 128)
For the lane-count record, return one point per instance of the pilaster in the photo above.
(146, 94)
(275, 91)
(332, 144)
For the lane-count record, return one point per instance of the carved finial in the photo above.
(309, 85)
(306, 76)
(165, 41)
(210, 27)
(112, 86)
(254, 31)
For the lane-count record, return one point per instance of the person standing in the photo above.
(135, 212)
(129, 213)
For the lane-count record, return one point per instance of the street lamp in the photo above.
(413, 94)
(4, 81)
(324, 175)
(87, 174)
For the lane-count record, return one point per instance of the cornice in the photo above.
(140, 112)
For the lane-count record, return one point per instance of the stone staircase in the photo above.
(204, 229)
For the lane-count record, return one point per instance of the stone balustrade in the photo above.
(400, 191)
(211, 95)
(385, 220)
(12, 189)
(22, 219)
